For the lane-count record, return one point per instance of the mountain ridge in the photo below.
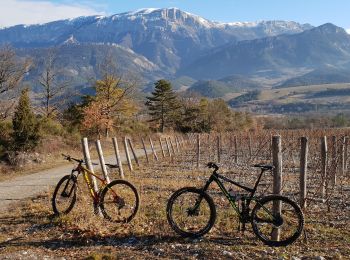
(317, 47)
(171, 43)
(168, 37)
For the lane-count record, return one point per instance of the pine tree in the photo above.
(25, 125)
(163, 104)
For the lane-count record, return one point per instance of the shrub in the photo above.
(5, 136)
(49, 126)
(26, 134)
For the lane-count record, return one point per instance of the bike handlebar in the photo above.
(69, 158)
(263, 167)
(212, 165)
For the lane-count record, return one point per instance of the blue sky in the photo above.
(315, 12)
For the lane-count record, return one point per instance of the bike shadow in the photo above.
(129, 241)
(61, 241)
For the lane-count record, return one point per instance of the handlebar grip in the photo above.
(212, 165)
(66, 157)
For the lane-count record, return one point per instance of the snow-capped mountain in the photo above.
(157, 43)
(320, 47)
(170, 38)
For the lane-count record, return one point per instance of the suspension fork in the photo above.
(72, 178)
(204, 189)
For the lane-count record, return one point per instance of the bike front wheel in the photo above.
(119, 201)
(191, 212)
(64, 196)
(277, 220)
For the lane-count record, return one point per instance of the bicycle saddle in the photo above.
(264, 166)
(112, 165)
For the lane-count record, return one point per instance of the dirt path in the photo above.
(30, 185)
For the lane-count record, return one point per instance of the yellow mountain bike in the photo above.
(118, 200)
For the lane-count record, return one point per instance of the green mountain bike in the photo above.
(276, 220)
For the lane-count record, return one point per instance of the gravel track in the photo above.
(28, 186)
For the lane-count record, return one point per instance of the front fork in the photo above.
(68, 193)
(194, 210)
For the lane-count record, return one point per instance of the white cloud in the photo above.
(14, 12)
(348, 31)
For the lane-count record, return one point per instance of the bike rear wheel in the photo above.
(277, 220)
(191, 212)
(64, 196)
(119, 201)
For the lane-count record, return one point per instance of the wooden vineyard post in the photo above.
(198, 149)
(133, 152)
(236, 148)
(270, 146)
(117, 154)
(177, 144)
(277, 178)
(218, 147)
(209, 148)
(193, 139)
(153, 150)
(342, 155)
(172, 145)
(334, 160)
(182, 142)
(179, 138)
(144, 148)
(346, 142)
(250, 146)
(102, 161)
(127, 154)
(168, 146)
(161, 146)
(303, 171)
(88, 162)
(186, 140)
(324, 152)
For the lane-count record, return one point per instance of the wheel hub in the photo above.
(278, 221)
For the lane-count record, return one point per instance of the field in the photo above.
(313, 98)
(31, 231)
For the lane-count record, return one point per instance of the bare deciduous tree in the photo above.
(52, 86)
(12, 71)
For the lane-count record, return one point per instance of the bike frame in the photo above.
(87, 174)
(215, 177)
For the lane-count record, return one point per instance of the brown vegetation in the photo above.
(82, 234)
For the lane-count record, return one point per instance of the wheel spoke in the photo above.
(119, 201)
(277, 220)
(190, 213)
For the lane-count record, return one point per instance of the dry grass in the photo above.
(31, 230)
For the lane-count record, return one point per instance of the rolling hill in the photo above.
(317, 77)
